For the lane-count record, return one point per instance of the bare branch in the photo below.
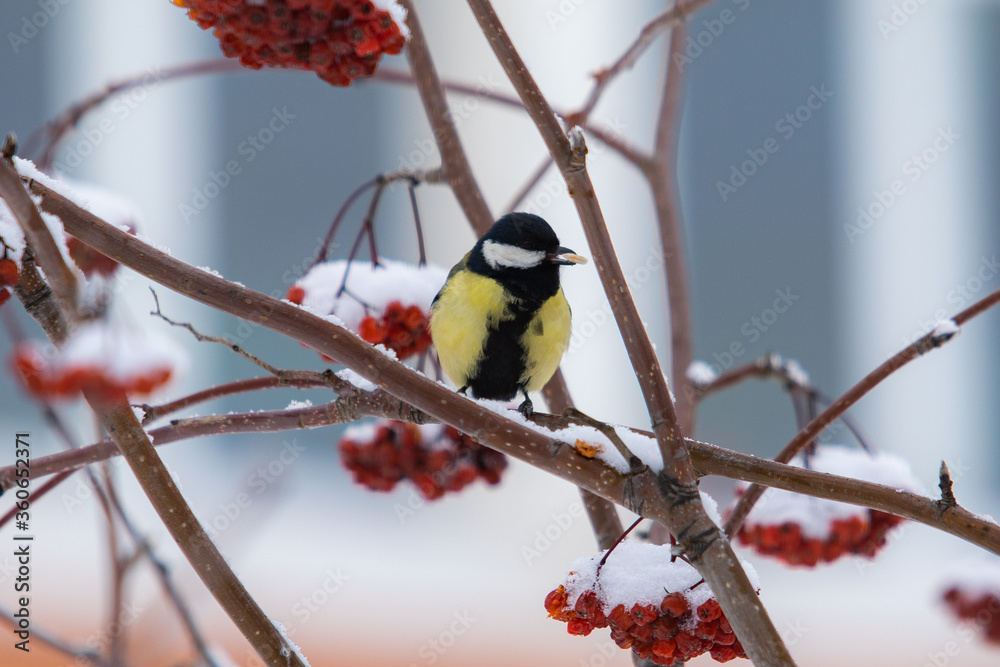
(456, 165)
(922, 345)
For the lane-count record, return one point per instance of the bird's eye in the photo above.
(528, 245)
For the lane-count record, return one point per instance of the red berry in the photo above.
(674, 604)
(296, 294)
(8, 272)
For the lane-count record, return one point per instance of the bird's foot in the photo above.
(526, 408)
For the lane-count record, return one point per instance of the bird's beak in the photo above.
(565, 256)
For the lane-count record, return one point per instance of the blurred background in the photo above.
(874, 218)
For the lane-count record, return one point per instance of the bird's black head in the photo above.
(523, 253)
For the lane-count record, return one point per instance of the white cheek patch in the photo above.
(501, 255)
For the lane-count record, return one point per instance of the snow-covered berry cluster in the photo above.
(100, 358)
(661, 610)
(435, 457)
(10, 274)
(806, 531)
(387, 304)
(862, 535)
(340, 40)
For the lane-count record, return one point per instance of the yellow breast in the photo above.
(466, 307)
(545, 340)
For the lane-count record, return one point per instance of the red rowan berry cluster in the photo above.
(385, 304)
(340, 40)
(806, 531)
(9, 277)
(628, 593)
(665, 633)
(64, 380)
(436, 458)
(862, 535)
(979, 606)
(403, 330)
(100, 358)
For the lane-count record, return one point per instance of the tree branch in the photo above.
(117, 417)
(677, 483)
(924, 344)
(456, 166)
(662, 177)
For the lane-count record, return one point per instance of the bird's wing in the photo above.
(455, 269)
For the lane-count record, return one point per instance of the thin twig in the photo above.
(203, 338)
(922, 345)
(296, 379)
(50, 134)
(529, 185)
(671, 17)
(455, 164)
(662, 176)
(88, 656)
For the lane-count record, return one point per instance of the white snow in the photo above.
(361, 432)
(353, 378)
(639, 572)
(975, 576)
(10, 232)
(375, 286)
(796, 373)
(700, 374)
(290, 646)
(119, 351)
(815, 515)
(297, 405)
(398, 14)
(946, 329)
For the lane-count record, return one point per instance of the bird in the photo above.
(501, 323)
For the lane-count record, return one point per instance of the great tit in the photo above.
(501, 323)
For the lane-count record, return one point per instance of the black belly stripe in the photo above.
(499, 373)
